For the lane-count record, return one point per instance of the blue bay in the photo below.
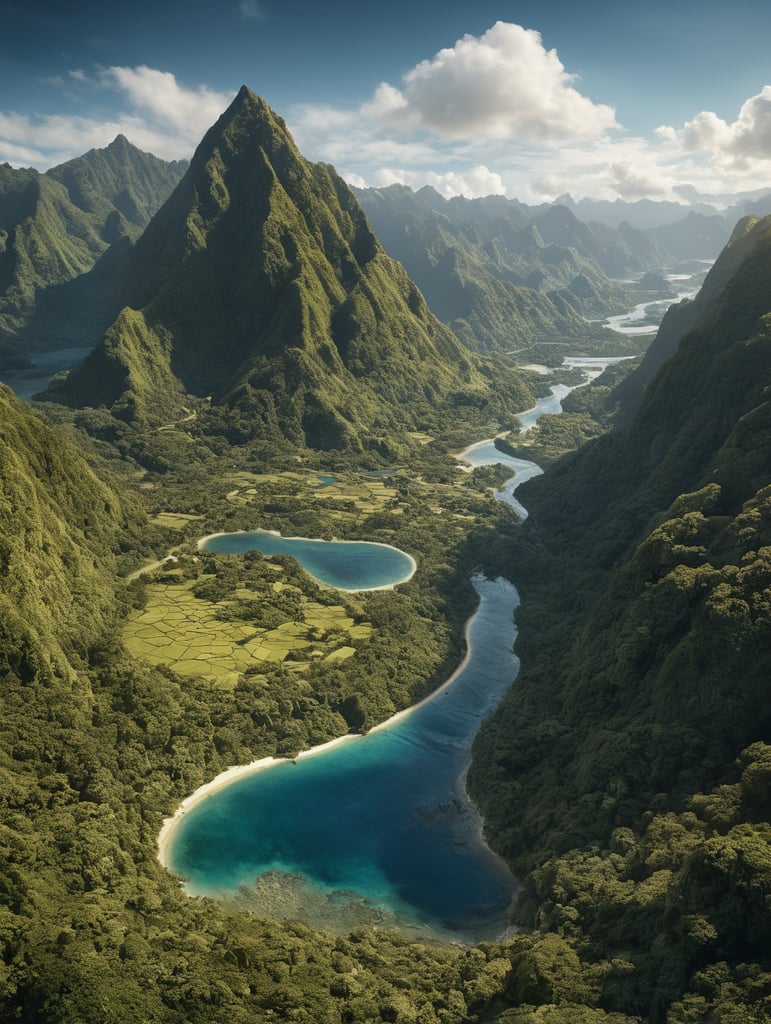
(375, 829)
(380, 817)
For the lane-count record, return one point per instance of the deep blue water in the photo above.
(43, 365)
(380, 816)
(346, 565)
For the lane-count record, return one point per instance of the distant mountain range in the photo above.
(650, 214)
(683, 317)
(55, 226)
(505, 275)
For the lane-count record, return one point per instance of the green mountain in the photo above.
(58, 538)
(119, 186)
(261, 285)
(55, 226)
(624, 769)
(681, 317)
(627, 776)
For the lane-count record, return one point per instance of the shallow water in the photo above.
(30, 380)
(376, 829)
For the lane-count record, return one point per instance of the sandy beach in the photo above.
(225, 779)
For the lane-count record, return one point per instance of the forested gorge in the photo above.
(624, 769)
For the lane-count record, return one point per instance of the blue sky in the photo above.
(522, 98)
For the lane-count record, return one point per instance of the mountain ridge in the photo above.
(644, 643)
(55, 227)
(508, 277)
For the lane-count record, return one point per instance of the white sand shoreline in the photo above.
(236, 772)
(223, 780)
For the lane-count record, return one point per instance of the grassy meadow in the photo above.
(218, 639)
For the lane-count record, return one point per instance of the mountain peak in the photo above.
(261, 284)
(246, 126)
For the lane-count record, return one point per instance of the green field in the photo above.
(174, 520)
(186, 633)
(348, 496)
(220, 619)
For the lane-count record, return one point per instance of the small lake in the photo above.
(345, 565)
(30, 380)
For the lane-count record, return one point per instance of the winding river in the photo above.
(375, 829)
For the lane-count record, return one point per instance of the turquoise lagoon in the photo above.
(371, 829)
(345, 565)
(376, 822)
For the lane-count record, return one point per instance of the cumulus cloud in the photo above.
(740, 145)
(342, 136)
(473, 182)
(631, 182)
(154, 111)
(502, 90)
(27, 140)
(158, 95)
(503, 84)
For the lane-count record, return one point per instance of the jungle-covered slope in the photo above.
(55, 226)
(628, 776)
(645, 652)
(98, 747)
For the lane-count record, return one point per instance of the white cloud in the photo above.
(344, 136)
(502, 85)
(630, 181)
(355, 180)
(739, 146)
(387, 104)
(157, 94)
(472, 183)
(36, 138)
(502, 90)
(155, 112)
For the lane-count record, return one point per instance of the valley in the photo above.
(221, 849)
(258, 362)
